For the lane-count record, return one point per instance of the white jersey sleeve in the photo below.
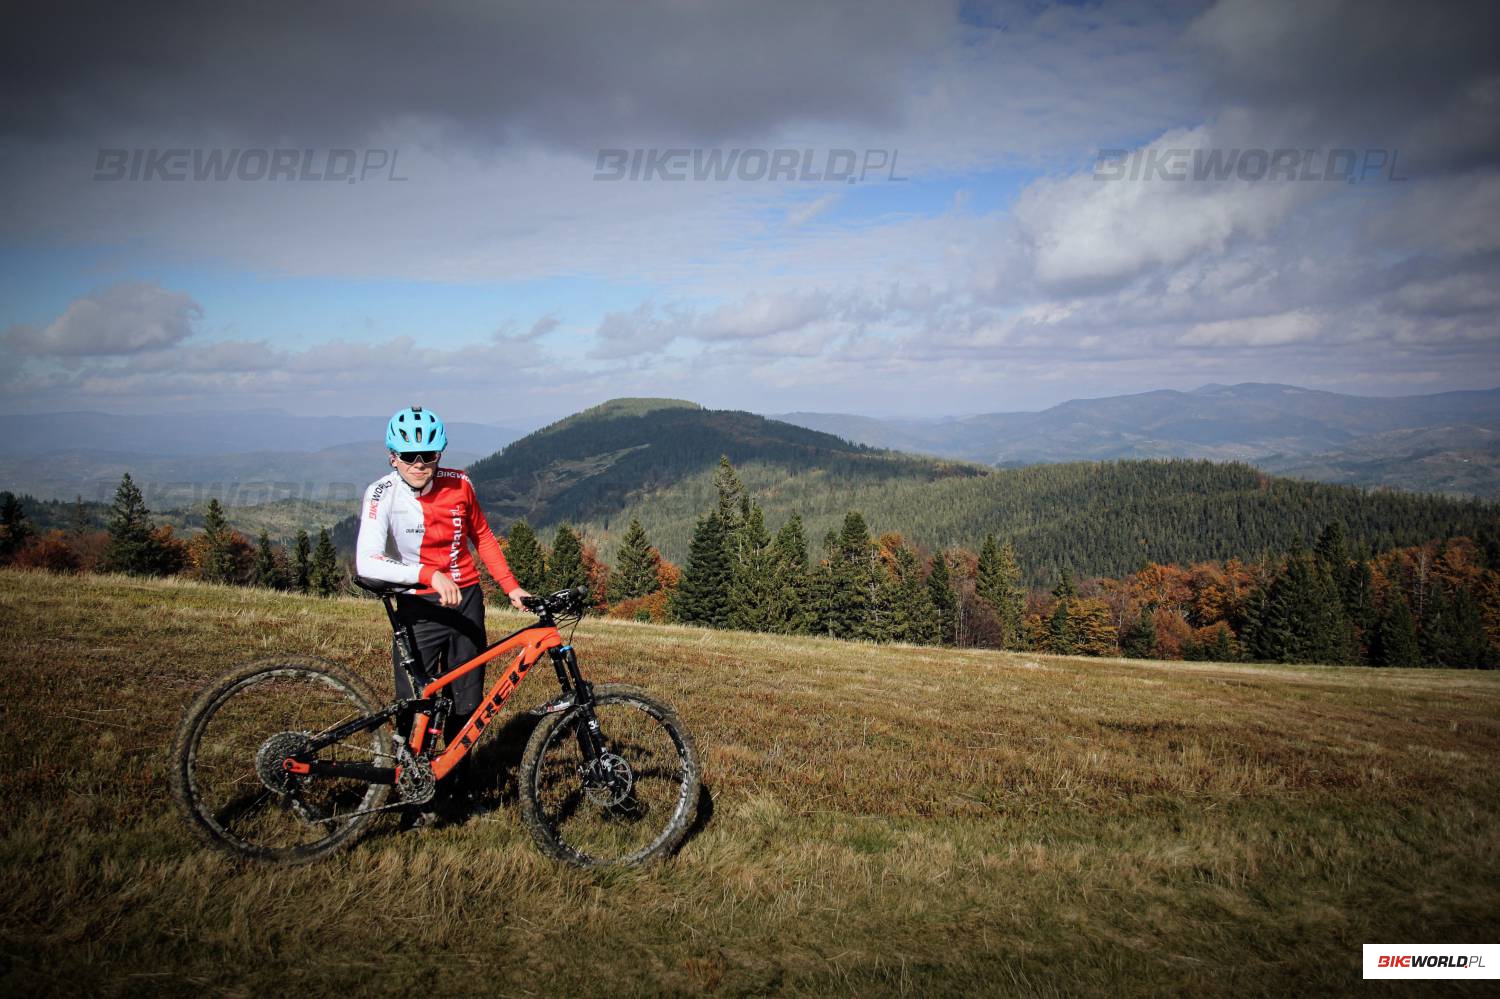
(370, 551)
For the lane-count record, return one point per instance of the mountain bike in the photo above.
(289, 760)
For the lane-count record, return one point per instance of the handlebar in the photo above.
(562, 602)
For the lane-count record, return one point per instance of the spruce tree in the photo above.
(325, 579)
(266, 571)
(1139, 640)
(566, 567)
(998, 584)
(131, 548)
(791, 611)
(851, 598)
(910, 616)
(944, 601)
(15, 529)
(731, 495)
(217, 560)
(1062, 634)
(524, 555)
(702, 596)
(1395, 640)
(635, 566)
(302, 564)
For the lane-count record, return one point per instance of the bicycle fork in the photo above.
(590, 741)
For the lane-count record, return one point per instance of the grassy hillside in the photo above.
(883, 821)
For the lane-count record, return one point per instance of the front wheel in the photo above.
(630, 805)
(226, 761)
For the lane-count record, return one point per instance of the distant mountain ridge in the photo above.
(594, 462)
(1357, 440)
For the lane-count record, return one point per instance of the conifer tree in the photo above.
(998, 584)
(853, 582)
(565, 568)
(325, 578)
(731, 496)
(524, 555)
(1139, 640)
(302, 564)
(1062, 635)
(131, 547)
(266, 572)
(635, 566)
(791, 612)
(1301, 617)
(218, 564)
(944, 601)
(1395, 640)
(910, 616)
(702, 597)
(15, 529)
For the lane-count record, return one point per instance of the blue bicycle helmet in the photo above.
(415, 429)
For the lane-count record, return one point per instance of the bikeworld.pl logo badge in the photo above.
(1432, 960)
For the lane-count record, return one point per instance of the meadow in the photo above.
(877, 820)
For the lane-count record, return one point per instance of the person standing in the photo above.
(415, 527)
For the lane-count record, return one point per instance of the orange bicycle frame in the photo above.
(529, 644)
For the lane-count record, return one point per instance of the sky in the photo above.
(508, 213)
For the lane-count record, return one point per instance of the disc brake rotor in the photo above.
(608, 782)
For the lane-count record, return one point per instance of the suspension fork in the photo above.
(590, 741)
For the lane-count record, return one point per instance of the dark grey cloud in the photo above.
(1424, 77)
(574, 75)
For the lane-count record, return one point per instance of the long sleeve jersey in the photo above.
(405, 537)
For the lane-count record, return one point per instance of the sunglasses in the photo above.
(413, 457)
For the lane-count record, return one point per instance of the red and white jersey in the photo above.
(405, 537)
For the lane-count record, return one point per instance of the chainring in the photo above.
(268, 760)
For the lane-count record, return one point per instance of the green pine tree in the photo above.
(909, 614)
(1395, 640)
(944, 601)
(1062, 634)
(635, 565)
(302, 564)
(131, 548)
(218, 564)
(565, 568)
(524, 555)
(325, 578)
(732, 498)
(15, 529)
(266, 571)
(702, 596)
(1139, 640)
(998, 584)
(791, 606)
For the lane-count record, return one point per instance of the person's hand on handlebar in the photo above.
(517, 598)
(449, 595)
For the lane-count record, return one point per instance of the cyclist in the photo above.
(415, 527)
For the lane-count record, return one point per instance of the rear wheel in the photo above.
(631, 805)
(226, 761)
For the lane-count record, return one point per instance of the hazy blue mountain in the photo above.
(219, 433)
(1304, 432)
(335, 473)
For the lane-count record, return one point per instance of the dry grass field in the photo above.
(883, 820)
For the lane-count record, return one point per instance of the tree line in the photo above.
(1431, 604)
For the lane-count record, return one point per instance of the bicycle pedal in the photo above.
(561, 702)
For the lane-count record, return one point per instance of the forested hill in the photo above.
(1095, 518)
(592, 464)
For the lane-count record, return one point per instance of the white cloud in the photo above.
(122, 319)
